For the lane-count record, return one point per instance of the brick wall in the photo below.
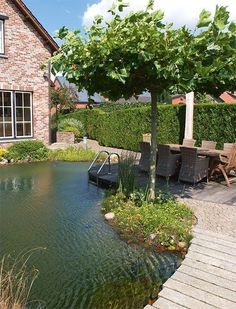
(25, 51)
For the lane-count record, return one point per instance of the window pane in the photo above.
(27, 100)
(1, 37)
(1, 129)
(7, 98)
(19, 99)
(1, 101)
(19, 114)
(27, 129)
(8, 130)
(19, 129)
(27, 114)
(7, 114)
(1, 114)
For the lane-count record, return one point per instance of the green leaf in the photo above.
(122, 6)
(61, 33)
(150, 5)
(204, 19)
(221, 17)
(232, 28)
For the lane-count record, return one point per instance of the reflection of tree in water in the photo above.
(16, 184)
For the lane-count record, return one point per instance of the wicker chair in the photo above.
(208, 145)
(144, 162)
(168, 163)
(225, 165)
(193, 167)
(228, 147)
(189, 142)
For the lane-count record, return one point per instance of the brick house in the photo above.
(24, 87)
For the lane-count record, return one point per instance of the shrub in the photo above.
(28, 151)
(72, 125)
(72, 154)
(3, 153)
(124, 128)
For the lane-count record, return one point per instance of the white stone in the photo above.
(110, 216)
(152, 236)
(182, 245)
(3, 162)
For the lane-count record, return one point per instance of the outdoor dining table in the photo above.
(211, 153)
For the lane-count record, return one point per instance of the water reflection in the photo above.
(16, 184)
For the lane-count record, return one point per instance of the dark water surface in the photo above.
(86, 265)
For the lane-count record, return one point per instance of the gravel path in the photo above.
(218, 218)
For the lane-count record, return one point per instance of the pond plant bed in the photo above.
(164, 225)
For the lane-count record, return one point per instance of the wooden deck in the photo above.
(211, 192)
(207, 277)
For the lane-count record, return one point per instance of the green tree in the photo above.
(63, 99)
(138, 52)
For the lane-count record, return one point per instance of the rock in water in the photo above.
(110, 216)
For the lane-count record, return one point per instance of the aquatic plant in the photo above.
(16, 281)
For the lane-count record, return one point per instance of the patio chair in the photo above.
(226, 165)
(228, 147)
(168, 163)
(144, 162)
(193, 167)
(189, 142)
(208, 145)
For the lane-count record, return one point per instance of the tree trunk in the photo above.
(152, 174)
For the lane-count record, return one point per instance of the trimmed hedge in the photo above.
(124, 128)
(114, 106)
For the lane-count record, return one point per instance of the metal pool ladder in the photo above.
(106, 161)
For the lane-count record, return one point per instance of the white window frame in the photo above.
(12, 116)
(2, 37)
(31, 115)
(13, 113)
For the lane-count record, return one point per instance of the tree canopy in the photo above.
(139, 51)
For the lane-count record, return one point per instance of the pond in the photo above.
(85, 264)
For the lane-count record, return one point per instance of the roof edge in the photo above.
(36, 24)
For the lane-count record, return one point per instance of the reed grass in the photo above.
(16, 281)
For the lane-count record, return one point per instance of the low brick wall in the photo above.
(65, 137)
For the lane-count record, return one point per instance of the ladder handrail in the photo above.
(109, 161)
(96, 157)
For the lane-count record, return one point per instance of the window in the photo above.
(1, 36)
(15, 114)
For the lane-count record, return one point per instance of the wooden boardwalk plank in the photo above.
(214, 246)
(210, 269)
(213, 253)
(215, 240)
(217, 235)
(205, 286)
(208, 277)
(198, 294)
(212, 261)
(164, 303)
(182, 299)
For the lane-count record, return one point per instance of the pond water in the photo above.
(85, 264)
